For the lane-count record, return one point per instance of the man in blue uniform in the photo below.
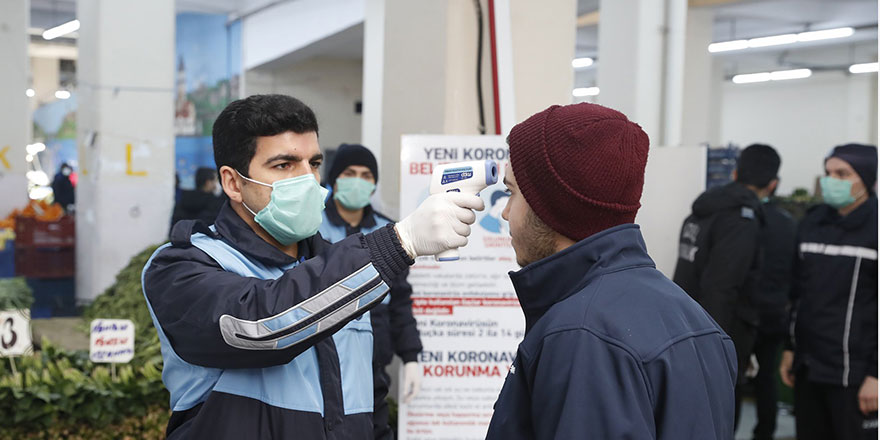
(352, 177)
(613, 349)
(262, 323)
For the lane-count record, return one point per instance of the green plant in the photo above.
(15, 294)
(56, 386)
(57, 393)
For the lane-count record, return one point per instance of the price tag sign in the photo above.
(15, 333)
(111, 341)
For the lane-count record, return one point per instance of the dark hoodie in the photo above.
(719, 260)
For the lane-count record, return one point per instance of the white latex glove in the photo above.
(442, 222)
(412, 381)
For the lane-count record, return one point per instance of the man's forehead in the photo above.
(304, 144)
(358, 168)
(837, 164)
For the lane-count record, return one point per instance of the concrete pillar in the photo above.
(420, 70)
(702, 78)
(631, 53)
(125, 134)
(15, 109)
(655, 68)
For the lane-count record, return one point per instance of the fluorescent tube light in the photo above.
(581, 62)
(776, 40)
(60, 30)
(781, 75)
(863, 68)
(585, 91)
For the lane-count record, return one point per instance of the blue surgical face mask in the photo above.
(765, 200)
(837, 192)
(353, 192)
(294, 211)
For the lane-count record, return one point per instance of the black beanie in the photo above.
(863, 159)
(348, 155)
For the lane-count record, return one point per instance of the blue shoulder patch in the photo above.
(748, 213)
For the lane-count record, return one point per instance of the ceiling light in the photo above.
(585, 91)
(747, 78)
(790, 74)
(826, 34)
(779, 75)
(62, 94)
(63, 29)
(581, 62)
(729, 45)
(33, 149)
(863, 68)
(30, 93)
(776, 40)
(29, 158)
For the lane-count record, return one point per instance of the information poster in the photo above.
(468, 315)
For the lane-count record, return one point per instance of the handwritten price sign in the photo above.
(112, 341)
(15, 333)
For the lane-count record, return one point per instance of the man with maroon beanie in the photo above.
(613, 349)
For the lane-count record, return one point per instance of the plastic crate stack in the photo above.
(720, 165)
(45, 254)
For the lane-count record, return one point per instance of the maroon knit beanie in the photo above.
(581, 167)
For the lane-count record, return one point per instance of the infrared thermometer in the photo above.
(467, 177)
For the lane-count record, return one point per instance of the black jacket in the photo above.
(834, 295)
(613, 350)
(778, 244)
(197, 205)
(718, 258)
(190, 295)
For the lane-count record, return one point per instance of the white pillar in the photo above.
(125, 135)
(631, 70)
(420, 70)
(15, 109)
(701, 93)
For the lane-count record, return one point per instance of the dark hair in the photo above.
(204, 174)
(758, 165)
(242, 121)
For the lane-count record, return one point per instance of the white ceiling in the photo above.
(738, 19)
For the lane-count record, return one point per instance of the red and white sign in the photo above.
(468, 315)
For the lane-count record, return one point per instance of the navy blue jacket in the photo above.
(834, 295)
(217, 324)
(614, 350)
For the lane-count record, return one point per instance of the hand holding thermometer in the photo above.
(467, 177)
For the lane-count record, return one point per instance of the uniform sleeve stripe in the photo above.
(298, 323)
(839, 251)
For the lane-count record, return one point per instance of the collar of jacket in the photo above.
(367, 221)
(239, 235)
(853, 220)
(546, 282)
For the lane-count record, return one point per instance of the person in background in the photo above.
(778, 241)
(613, 349)
(831, 358)
(200, 203)
(353, 177)
(719, 253)
(62, 187)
